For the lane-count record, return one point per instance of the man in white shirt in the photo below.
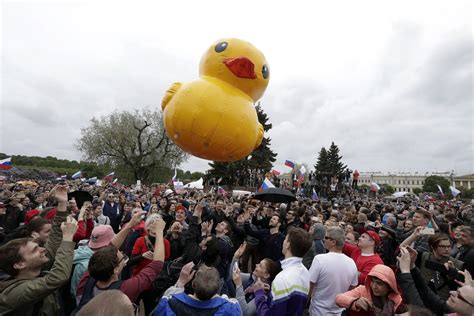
(331, 274)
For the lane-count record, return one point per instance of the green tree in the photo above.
(388, 188)
(467, 193)
(322, 166)
(417, 191)
(336, 166)
(244, 172)
(134, 142)
(432, 182)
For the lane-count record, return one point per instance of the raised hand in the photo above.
(239, 252)
(59, 192)
(69, 228)
(413, 255)
(260, 285)
(159, 226)
(236, 277)
(186, 274)
(136, 217)
(404, 260)
(467, 278)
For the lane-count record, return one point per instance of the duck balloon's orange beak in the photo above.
(242, 67)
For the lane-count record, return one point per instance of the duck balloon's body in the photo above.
(214, 117)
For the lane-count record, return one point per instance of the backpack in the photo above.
(88, 293)
(168, 276)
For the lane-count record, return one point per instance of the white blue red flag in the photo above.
(266, 184)
(6, 163)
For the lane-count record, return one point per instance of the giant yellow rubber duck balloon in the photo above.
(214, 117)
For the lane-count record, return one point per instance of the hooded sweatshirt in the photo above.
(82, 255)
(382, 272)
(318, 245)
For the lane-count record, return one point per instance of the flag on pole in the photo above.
(303, 170)
(175, 174)
(115, 181)
(455, 192)
(266, 184)
(6, 163)
(315, 196)
(440, 189)
(61, 178)
(290, 164)
(275, 173)
(109, 177)
(374, 187)
(92, 180)
(76, 175)
(220, 190)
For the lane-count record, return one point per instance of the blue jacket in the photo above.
(182, 304)
(82, 255)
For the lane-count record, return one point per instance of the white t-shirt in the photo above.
(333, 274)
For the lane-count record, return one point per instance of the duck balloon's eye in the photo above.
(265, 72)
(221, 47)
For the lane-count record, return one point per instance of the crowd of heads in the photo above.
(209, 246)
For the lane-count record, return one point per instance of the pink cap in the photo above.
(101, 236)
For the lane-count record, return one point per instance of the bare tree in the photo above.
(135, 140)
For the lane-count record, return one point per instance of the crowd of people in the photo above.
(149, 250)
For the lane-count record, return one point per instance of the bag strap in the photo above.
(88, 293)
(148, 243)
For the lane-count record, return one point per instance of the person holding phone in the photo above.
(439, 282)
(417, 293)
(265, 271)
(419, 238)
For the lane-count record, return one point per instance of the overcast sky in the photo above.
(391, 83)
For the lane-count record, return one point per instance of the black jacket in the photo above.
(271, 244)
(416, 292)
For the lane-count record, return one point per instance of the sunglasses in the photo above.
(328, 238)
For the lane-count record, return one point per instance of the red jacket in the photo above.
(381, 272)
(84, 230)
(363, 263)
(133, 286)
(140, 247)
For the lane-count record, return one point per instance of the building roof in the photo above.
(465, 177)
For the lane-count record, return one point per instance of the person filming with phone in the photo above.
(432, 266)
(419, 238)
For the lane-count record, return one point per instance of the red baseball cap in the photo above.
(375, 237)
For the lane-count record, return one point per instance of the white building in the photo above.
(400, 181)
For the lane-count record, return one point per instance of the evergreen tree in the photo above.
(244, 172)
(336, 167)
(322, 165)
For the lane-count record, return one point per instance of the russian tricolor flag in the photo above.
(290, 164)
(374, 187)
(109, 177)
(266, 185)
(6, 163)
(221, 191)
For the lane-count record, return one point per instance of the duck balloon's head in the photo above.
(238, 63)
